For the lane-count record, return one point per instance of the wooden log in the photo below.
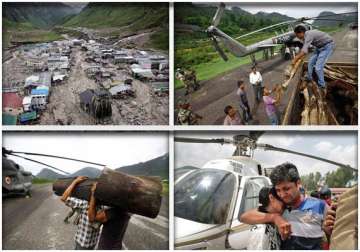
(305, 115)
(135, 194)
(290, 72)
(314, 116)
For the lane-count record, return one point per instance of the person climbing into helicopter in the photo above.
(324, 46)
(302, 225)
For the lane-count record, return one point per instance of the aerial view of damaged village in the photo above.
(85, 63)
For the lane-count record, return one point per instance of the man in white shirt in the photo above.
(257, 83)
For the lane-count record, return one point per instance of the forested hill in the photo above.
(35, 15)
(234, 20)
(137, 16)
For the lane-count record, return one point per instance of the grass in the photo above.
(165, 185)
(209, 70)
(34, 36)
(160, 40)
(199, 55)
(40, 181)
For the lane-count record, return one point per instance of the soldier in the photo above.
(186, 116)
(190, 82)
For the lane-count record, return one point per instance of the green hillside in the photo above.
(155, 167)
(39, 15)
(136, 15)
(193, 48)
(128, 17)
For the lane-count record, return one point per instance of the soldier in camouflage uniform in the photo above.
(188, 77)
(186, 116)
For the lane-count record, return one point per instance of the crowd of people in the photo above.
(261, 93)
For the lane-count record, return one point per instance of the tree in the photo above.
(340, 177)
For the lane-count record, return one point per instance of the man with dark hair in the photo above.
(88, 220)
(324, 46)
(256, 82)
(91, 217)
(304, 214)
(243, 101)
(232, 116)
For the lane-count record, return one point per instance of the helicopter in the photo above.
(17, 181)
(287, 38)
(208, 201)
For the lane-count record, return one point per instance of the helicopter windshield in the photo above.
(204, 196)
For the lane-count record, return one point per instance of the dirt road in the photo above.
(64, 105)
(37, 223)
(219, 92)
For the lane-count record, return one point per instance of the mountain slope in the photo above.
(105, 15)
(234, 20)
(49, 174)
(88, 172)
(155, 167)
(335, 20)
(38, 15)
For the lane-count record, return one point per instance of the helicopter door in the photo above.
(248, 198)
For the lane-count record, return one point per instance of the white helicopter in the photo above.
(209, 201)
(286, 38)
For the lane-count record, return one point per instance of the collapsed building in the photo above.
(97, 103)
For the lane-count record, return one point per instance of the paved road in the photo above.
(219, 92)
(37, 223)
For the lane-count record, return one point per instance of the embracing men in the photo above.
(301, 223)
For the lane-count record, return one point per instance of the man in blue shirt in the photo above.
(301, 224)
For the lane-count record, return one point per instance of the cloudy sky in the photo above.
(110, 148)
(295, 10)
(337, 146)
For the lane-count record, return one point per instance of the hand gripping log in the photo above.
(135, 194)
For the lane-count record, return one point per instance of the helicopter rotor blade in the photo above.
(219, 49)
(36, 161)
(9, 152)
(295, 21)
(273, 148)
(328, 19)
(200, 140)
(267, 28)
(218, 14)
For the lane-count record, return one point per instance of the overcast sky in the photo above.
(110, 148)
(336, 146)
(295, 10)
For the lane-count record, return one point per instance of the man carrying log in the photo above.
(90, 219)
(324, 46)
(88, 232)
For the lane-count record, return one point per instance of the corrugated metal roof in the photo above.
(11, 100)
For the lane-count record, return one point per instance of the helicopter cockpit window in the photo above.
(204, 196)
(251, 194)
